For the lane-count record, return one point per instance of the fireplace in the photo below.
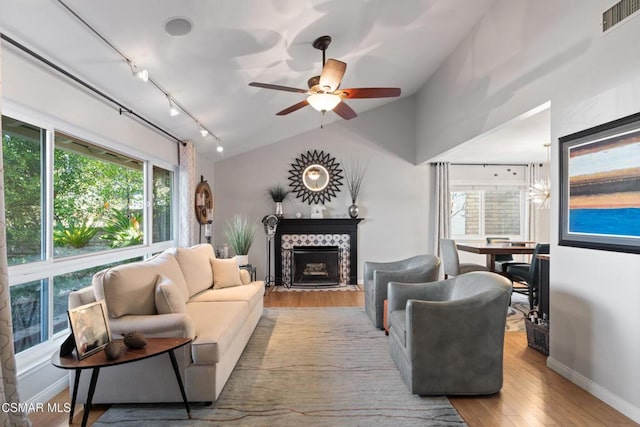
(315, 266)
(335, 232)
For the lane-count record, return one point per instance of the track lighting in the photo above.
(173, 111)
(219, 149)
(142, 74)
(178, 27)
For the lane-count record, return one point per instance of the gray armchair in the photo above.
(447, 337)
(417, 269)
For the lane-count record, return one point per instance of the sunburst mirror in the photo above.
(315, 177)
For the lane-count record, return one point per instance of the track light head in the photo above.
(219, 149)
(173, 111)
(203, 132)
(141, 74)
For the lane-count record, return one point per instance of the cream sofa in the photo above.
(181, 292)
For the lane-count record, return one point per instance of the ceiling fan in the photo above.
(324, 93)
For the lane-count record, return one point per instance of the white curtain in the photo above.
(441, 203)
(533, 175)
(187, 218)
(9, 386)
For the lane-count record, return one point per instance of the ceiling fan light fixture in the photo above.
(323, 102)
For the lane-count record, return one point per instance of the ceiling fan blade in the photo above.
(371, 92)
(344, 111)
(277, 87)
(294, 107)
(331, 76)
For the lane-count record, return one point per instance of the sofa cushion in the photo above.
(251, 293)
(194, 263)
(245, 277)
(217, 324)
(226, 273)
(130, 288)
(166, 263)
(169, 298)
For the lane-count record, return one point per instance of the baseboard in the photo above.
(611, 399)
(50, 392)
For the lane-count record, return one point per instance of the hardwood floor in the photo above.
(532, 395)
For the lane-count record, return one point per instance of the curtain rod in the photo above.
(122, 108)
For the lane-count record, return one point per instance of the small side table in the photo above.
(251, 269)
(385, 317)
(154, 347)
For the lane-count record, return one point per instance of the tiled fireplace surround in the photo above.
(340, 232)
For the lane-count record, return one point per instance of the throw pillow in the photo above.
(169, 297)
(194, 266)
(226, 273)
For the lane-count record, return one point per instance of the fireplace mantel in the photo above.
(318, 226)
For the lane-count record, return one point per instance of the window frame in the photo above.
(50, 266)
(482, 188)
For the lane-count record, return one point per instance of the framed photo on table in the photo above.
(90, 328)
(600, 187)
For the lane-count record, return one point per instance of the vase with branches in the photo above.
(240, 234)
(278, 194)
(354, 172)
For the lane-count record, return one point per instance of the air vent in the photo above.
(618, 12)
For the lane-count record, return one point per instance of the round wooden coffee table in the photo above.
(154, 347)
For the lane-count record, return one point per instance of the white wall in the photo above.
(35, 91)
(522, 54)
(394, 198)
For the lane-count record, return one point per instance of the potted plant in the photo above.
(354, 171)
(278, 194)
(240, 234)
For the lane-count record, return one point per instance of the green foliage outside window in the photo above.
(74, 235)
(23, 195)
(122, 229)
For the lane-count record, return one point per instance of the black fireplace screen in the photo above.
(315, 266)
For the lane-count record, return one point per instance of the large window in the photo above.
(22, 150)
(482, 213)
(162, 190)
(72, 208)
(98, 199)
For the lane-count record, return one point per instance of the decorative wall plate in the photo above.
(315, 177)
(204, 202)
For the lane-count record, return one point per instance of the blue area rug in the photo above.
(306, 367)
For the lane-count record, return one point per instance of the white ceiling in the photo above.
(234, 42)
(522, 140)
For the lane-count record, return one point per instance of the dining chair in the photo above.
(502, 260)
(525, 275)
(451, 261)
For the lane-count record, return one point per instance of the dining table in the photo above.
(497, 248)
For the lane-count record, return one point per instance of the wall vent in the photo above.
(618, 12)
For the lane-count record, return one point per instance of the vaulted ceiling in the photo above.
(234, 42)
